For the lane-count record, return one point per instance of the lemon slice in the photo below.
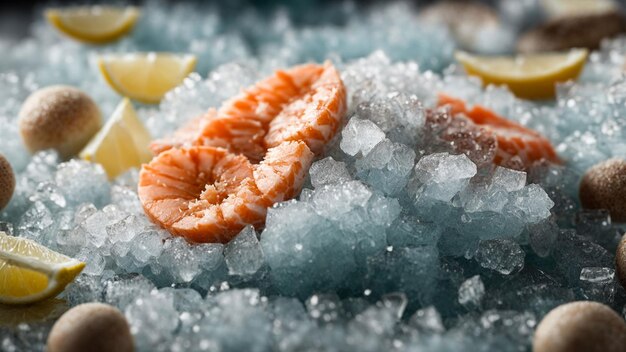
(145, 77)
(94, 24)
(558, 8)
(30, 272)
(527, 76)
(121, 144)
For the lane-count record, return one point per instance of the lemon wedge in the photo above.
(121, 144)
(145, 77)
(527, 76)
(560, 8)
(94, 24)
(30, 272)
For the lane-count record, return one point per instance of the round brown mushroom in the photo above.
(94, 327)
(581, 327)
(604, 187)
(580, 31)
(620, 261)
(7, 182)
(59, 117)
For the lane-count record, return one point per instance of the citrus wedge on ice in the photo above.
(30, 272)
(557, 8)
(94, 24)
(121, 144)
(145, 77)
(527, 76)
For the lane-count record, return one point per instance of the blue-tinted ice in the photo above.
(406, 238)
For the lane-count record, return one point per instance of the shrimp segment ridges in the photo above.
(306, 103)
(222, 170)
(514, 141)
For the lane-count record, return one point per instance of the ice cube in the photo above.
(508, 179)
(387, 166)
(472, 291)
(533, 202)
(444, 175)
(502, 255)
(324, 308)
(234, 311)
(373, 326)
(84, 289)
(6, 227)
(121, 291)
(95, 225)
(598, 284)
(179, 258)
(125, 230)
(96, 263)
(243, 254)
(542, 237)
(377, 157)
(328, 171)
(47, 192)
(334, 201)
(147, 245)
(305, 251)
(185, 299)
(126, 199)
(408, 231)
(36, 219)
(572, 253)
(83, 182)
(427, 320)
(360, 136)
(152, 319)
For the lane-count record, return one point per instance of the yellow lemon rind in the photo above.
(56, 19)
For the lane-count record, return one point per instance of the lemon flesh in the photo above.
(121, 144)
(30, 272)
(527, 76)
(145, 77)
(94, 24)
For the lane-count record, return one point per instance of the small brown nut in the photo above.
(604, 187)
(59, 117)
(580, 31)
(620, 261)
(7, 182)
(93, 327)
(581, 326)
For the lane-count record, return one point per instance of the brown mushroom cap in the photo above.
(604, 187)
(94, 327)
(7, 182)
(580, 31)
(581, 326)
(620, 261)
(59, 117)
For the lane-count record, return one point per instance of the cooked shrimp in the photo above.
(513, 139)
(189, 132)
(315, 117)
(209, 194)
(222, 170)
(306, 102)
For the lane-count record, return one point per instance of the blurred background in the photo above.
(16, 16)
(511, 18)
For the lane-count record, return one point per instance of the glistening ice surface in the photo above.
(406, 237)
